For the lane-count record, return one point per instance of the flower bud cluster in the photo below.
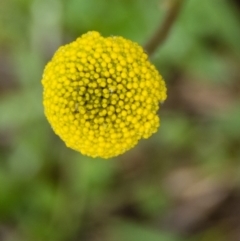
(101, 95)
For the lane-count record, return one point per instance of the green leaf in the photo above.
(128, 231)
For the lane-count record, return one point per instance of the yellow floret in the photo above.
(101, 95)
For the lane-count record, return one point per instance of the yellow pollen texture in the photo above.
(101, 95)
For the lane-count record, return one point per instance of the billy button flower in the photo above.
(101, 95)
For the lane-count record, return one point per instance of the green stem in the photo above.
(164, 28)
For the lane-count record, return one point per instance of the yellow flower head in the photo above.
(101, 95)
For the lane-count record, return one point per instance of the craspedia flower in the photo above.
(101, 95)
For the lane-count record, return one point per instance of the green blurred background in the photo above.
(181, 184)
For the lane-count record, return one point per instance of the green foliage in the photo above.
(127, 231)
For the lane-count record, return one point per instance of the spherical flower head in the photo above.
(101, 95)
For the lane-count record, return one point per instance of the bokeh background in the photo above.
(181, 184)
